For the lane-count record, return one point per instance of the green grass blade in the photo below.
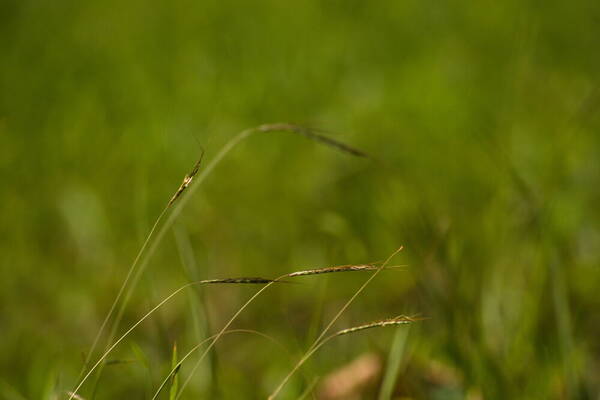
(393, 363)
(175, 377)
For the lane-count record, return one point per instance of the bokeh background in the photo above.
(482, 121)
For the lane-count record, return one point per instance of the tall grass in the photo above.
(163, 223)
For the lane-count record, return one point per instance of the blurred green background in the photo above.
(482, 119)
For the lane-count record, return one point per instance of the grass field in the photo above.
(481, 126)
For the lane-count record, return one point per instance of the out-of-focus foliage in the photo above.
(483, 118)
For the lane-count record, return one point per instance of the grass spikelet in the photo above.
(313, 135)
(399, 320)
(239, 280)
(339, 268)
(187, 180)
